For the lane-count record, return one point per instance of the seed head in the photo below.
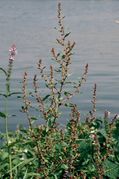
(13, 52)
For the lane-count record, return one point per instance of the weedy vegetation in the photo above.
(84, 149)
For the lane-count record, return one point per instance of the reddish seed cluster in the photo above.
(13, 52)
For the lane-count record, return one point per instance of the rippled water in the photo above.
(94, 26)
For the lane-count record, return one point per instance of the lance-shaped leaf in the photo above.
(46, 97)
(3, 71)
(66, 35)
(2, 115)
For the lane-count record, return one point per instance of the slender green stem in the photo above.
(7, 136)
(6, 124)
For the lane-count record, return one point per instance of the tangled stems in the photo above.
(57, 80)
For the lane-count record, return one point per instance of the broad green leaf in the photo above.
(16, 161)
(111, 169)
(4, 155)
(103, 132)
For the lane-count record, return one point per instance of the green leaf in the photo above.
(25, 175)
(3, 71)
(16, 161)
(64, 166)
(15, 93)
(63, 56)
(103, 132)
(58, 147)
(111, 169)
(3, 95)
(19, 96)
(68, 104)
(4, 155)
(46, 97)
(3, 115)
(34, 118)
(67, 93)
(66, 35)
(55, 176)
(23, 163)
(33, 174)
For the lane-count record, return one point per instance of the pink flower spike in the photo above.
(13, 52)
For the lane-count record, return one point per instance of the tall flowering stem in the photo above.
(12, 51)
(57, 80)
(12, 55)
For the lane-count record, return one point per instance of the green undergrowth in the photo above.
(83, 149)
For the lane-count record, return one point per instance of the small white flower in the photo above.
(22, 158)
(25, 150)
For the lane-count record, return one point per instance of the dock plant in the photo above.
(82, 149)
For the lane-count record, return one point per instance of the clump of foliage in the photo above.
(88, 149)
